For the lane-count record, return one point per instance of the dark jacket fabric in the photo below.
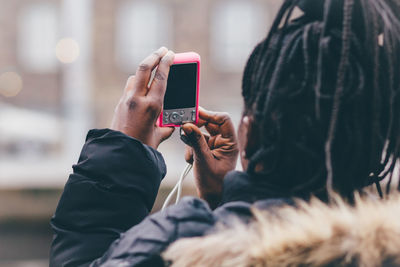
(103, 219)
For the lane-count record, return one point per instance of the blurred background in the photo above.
(63, 65)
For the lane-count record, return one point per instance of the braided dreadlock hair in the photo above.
(323, 93)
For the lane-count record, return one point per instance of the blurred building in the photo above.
(64, 63)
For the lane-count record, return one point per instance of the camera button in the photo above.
(175, 118)
(194, 115)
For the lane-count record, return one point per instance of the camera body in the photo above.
(181, 101)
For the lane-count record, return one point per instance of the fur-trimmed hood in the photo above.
(310, 234)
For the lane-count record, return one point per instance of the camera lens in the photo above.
(175, 118)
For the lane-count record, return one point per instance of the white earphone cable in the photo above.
(178, 187)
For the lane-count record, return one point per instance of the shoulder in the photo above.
(144, 243)
(190, 217)
(232, 212)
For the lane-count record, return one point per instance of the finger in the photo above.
(200, 123)
(186, 140)
(165, 132)
(144, 70)
(217, 123)
(189, 154)
(159, 84)
(198, 142)
(130, 83)
(211, 116)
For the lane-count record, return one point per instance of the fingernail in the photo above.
(162, 51)
(188, 130)
(170, 54)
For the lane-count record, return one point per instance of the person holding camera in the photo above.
(321, 116)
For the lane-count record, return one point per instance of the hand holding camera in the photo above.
(140, 106)
(212, 156)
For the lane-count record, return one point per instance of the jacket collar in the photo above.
(240, 186)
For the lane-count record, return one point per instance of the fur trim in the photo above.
(313, 234)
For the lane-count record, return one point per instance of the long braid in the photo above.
(322, 51)
(344, 61)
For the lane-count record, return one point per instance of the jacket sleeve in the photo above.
(112, 188)
(144, 243)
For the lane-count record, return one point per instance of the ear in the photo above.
(246, 139)
(246, 121)
(252, 137)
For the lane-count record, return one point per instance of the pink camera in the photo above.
(181, 101)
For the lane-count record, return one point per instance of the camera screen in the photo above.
(181, 86)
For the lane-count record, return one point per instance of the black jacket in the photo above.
(102, 217)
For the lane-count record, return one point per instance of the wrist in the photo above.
(212, 198)
(212, 193)
(133, 132)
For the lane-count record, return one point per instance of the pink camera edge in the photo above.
(184, 58)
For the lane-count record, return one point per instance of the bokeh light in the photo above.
(10, 84)
(67, 50)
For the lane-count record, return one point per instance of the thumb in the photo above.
(165, 133)
(197, 140)
(189, 155)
